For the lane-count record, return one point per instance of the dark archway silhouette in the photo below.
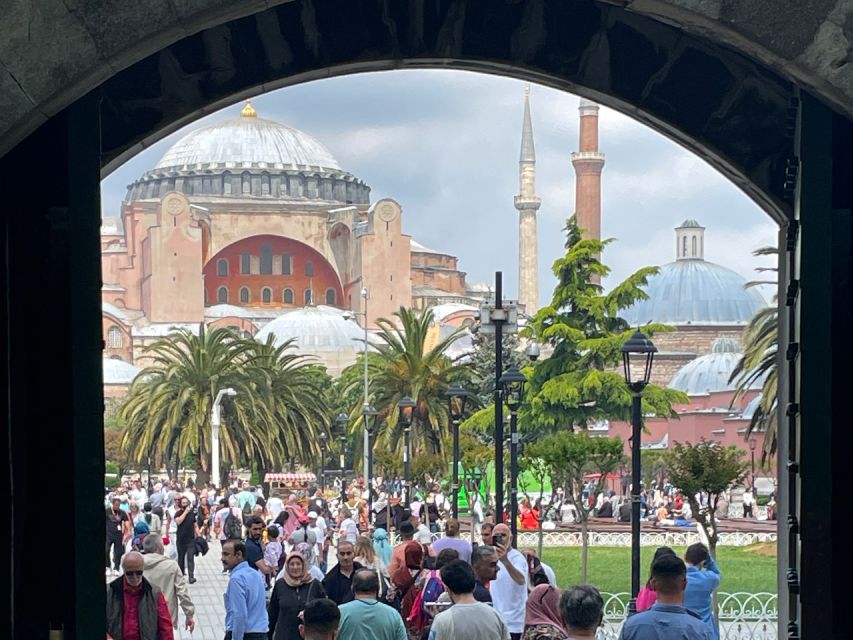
(784, 146)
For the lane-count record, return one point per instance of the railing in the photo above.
(742, 616)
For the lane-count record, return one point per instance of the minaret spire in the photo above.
(527, 205)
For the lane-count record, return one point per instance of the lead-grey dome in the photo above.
(711, 372)
(248, 141)
(118, 371)
(315, 329)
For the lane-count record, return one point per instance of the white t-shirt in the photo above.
(477, 621)
(274, 507)
(509, 597)
(349, 530)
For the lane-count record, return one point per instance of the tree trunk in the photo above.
(202, 473)
(541, 536)
(584, 550)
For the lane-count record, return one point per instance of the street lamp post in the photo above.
(457, 396)
(215, 424)
(369, 428)
(407, 411)
(752, 444)
(637, 352)
(341, 423)
(323, 461)
(512, 382)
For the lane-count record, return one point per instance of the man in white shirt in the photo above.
(509, 589)
(275, 506)
(467, 618)
(317, 524)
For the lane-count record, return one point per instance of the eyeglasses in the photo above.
(132, 573)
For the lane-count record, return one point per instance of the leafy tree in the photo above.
(581, 382)
(707, 468)
(760, 344)
(477, 451)
(482, 360)
(540, 471)
(402, 365)
(570, 456)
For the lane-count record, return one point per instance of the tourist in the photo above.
(467, 619)
(509, 589)
(223, 526)
(406, 532)
(582, 611)
(165, 574)
(245, 601)
(477, 516)
(317, 525)
(428, 588)
(486, 532)
(118, 530)
(320, 620)
(536, 566)
(703, 578)
(451, 540)
(155, 524)
(304, 533)
(365, 617)
(275, 506)
(272, 553)
(135, 607)
(381, 546)
(647, 596)
(485, 563)
(404, 576)
(668, 619)
(255, 545)
(338, 581)
(347, 527)
(187, 531)
(748, 500)
(542, 615)
(292, 591)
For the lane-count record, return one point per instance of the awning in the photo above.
(290, 477)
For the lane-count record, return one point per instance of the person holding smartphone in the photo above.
(509, 588)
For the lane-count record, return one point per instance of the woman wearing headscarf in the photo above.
(404, 577)
(292, 591)
(542, 616)
(381, 545)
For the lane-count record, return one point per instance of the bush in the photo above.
(762, 501)
(111, 476)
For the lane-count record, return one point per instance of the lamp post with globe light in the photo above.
(637, 355)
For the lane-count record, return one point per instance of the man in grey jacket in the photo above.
(165, 574)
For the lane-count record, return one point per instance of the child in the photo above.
(272, 552)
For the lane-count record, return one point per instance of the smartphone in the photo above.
(498, 539)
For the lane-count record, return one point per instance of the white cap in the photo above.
(312, 515)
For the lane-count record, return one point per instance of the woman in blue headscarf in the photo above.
(381, 546)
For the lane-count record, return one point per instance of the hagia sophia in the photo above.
(251, 224)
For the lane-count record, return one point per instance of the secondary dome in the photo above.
(118, 371)
(248, 141)
(710, 372)
(319, 328)
(694, 291)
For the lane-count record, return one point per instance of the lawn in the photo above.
(751, 569)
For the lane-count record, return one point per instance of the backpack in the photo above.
(232, 528)
(247, 509)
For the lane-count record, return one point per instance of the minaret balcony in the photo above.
(526, 202)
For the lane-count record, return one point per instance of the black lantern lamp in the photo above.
(407, 412)
(323, 437)
(369, 412)
(512, 382)
(637, 355)
(457, 396)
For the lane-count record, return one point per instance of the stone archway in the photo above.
(736, 83)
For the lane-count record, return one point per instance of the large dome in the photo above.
(248, 141)
(694, 291)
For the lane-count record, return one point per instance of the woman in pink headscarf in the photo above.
(294, 513)
(542, 617)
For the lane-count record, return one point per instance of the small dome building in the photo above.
(711, 372)
(704, 301)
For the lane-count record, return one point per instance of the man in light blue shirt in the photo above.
(365, 618)
(703, 578)
(667, 619)
(245, 599)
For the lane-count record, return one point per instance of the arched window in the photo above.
(285, 264)
(287, 296)
(245, 263)
(226, 183)
(309, 297)
(222, 295)
(222, 267)
(247, 182)
(309, 268)
(684, 247)
(114, 338)
(266, 295)
(266, 260)
(244, 295)
(694, 246)
(330, 296)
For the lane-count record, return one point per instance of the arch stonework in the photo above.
(762, 91)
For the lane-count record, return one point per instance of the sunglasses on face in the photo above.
(132, 573)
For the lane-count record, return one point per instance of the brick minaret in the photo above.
(588, 162)
(527, 204)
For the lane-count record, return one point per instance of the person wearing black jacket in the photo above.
(295, 589)
(185, 518)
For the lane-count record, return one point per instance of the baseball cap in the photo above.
(312, 515)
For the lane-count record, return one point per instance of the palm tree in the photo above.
(761, 341)
(404, 365)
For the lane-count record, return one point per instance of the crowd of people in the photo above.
(306, 566)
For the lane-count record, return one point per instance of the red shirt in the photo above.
(130, 624)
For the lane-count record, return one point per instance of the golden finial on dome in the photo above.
(249, 111)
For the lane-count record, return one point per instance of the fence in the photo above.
(647, 538)
(742, 616)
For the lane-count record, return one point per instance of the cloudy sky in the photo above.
(445, 145)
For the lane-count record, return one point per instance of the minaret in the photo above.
(588, 162)
(527, 204)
